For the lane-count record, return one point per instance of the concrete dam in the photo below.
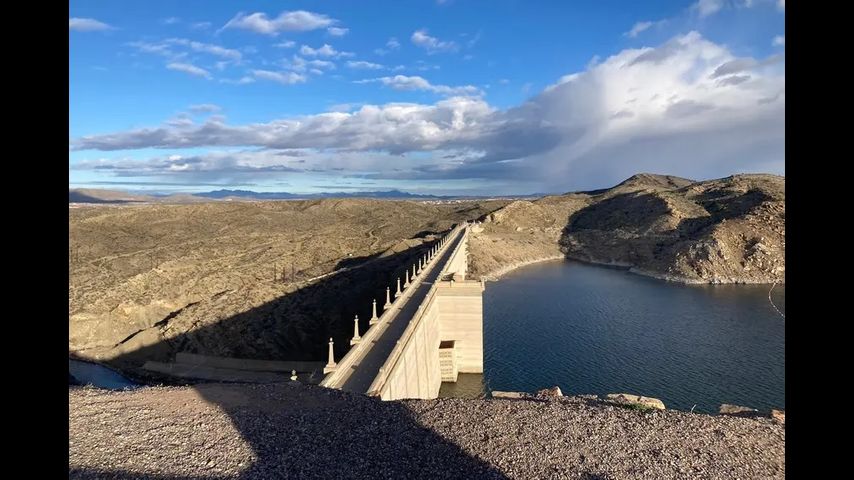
(429, 330)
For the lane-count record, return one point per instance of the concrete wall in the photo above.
(416, 373)
(461, 319)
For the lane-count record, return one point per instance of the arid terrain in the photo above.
(276, 279)
(268, 280)
(288, 430)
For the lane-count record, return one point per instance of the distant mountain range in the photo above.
(297, 196)
(91, 195)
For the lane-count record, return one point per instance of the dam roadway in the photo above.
(431, 331)
(403, 311)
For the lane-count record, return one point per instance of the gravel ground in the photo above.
(293, 431)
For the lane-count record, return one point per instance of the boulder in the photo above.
(737, 410)
(550, 392)
(509, 395)
(635, 400)
(779, 415)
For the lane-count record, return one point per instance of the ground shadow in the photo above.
(296, 326)
(331, 434)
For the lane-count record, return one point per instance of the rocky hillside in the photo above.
(730, 230)
(245, 279)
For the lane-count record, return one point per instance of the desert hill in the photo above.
(729, 230)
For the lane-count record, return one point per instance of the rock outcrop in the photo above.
(737, 411)
(635, 400)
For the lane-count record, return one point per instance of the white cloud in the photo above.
(638, 28)
(217, 50)
(285, 44)
(686, 107)
(170, 20)
(403, 82)
(87, 25)
(189, 68)
(337, 31)
(299, 64)
(779, 41)
(708, 7)
(296, 21)
(285, 78)
(205, 108)
(325, 51)
(170, 48)
(432, 44)
(200, 25)
(241, 81)
(390, 45)
(364, 65)
(781, 5)
(343, 107)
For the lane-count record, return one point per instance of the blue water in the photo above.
(87, 373)
(591, 329)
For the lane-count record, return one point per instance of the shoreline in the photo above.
(497, 274)
(668, 277)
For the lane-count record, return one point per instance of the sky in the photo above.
(447, 97)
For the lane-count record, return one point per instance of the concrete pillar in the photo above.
(356, 336)
(330, 365)
(413, 272)
(374, 318)
(420, 266)
(387, 298)
(397, 293)
(406, 278)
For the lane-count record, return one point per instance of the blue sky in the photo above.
(444, 97)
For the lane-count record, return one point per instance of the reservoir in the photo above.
(599, 330)
(88, 373)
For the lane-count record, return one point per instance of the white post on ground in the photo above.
(356, 336)
(374, 318)
(397, 293)
(330, 365)
(406, 278)
(387, 298)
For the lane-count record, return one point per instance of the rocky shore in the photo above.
(290, 430)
